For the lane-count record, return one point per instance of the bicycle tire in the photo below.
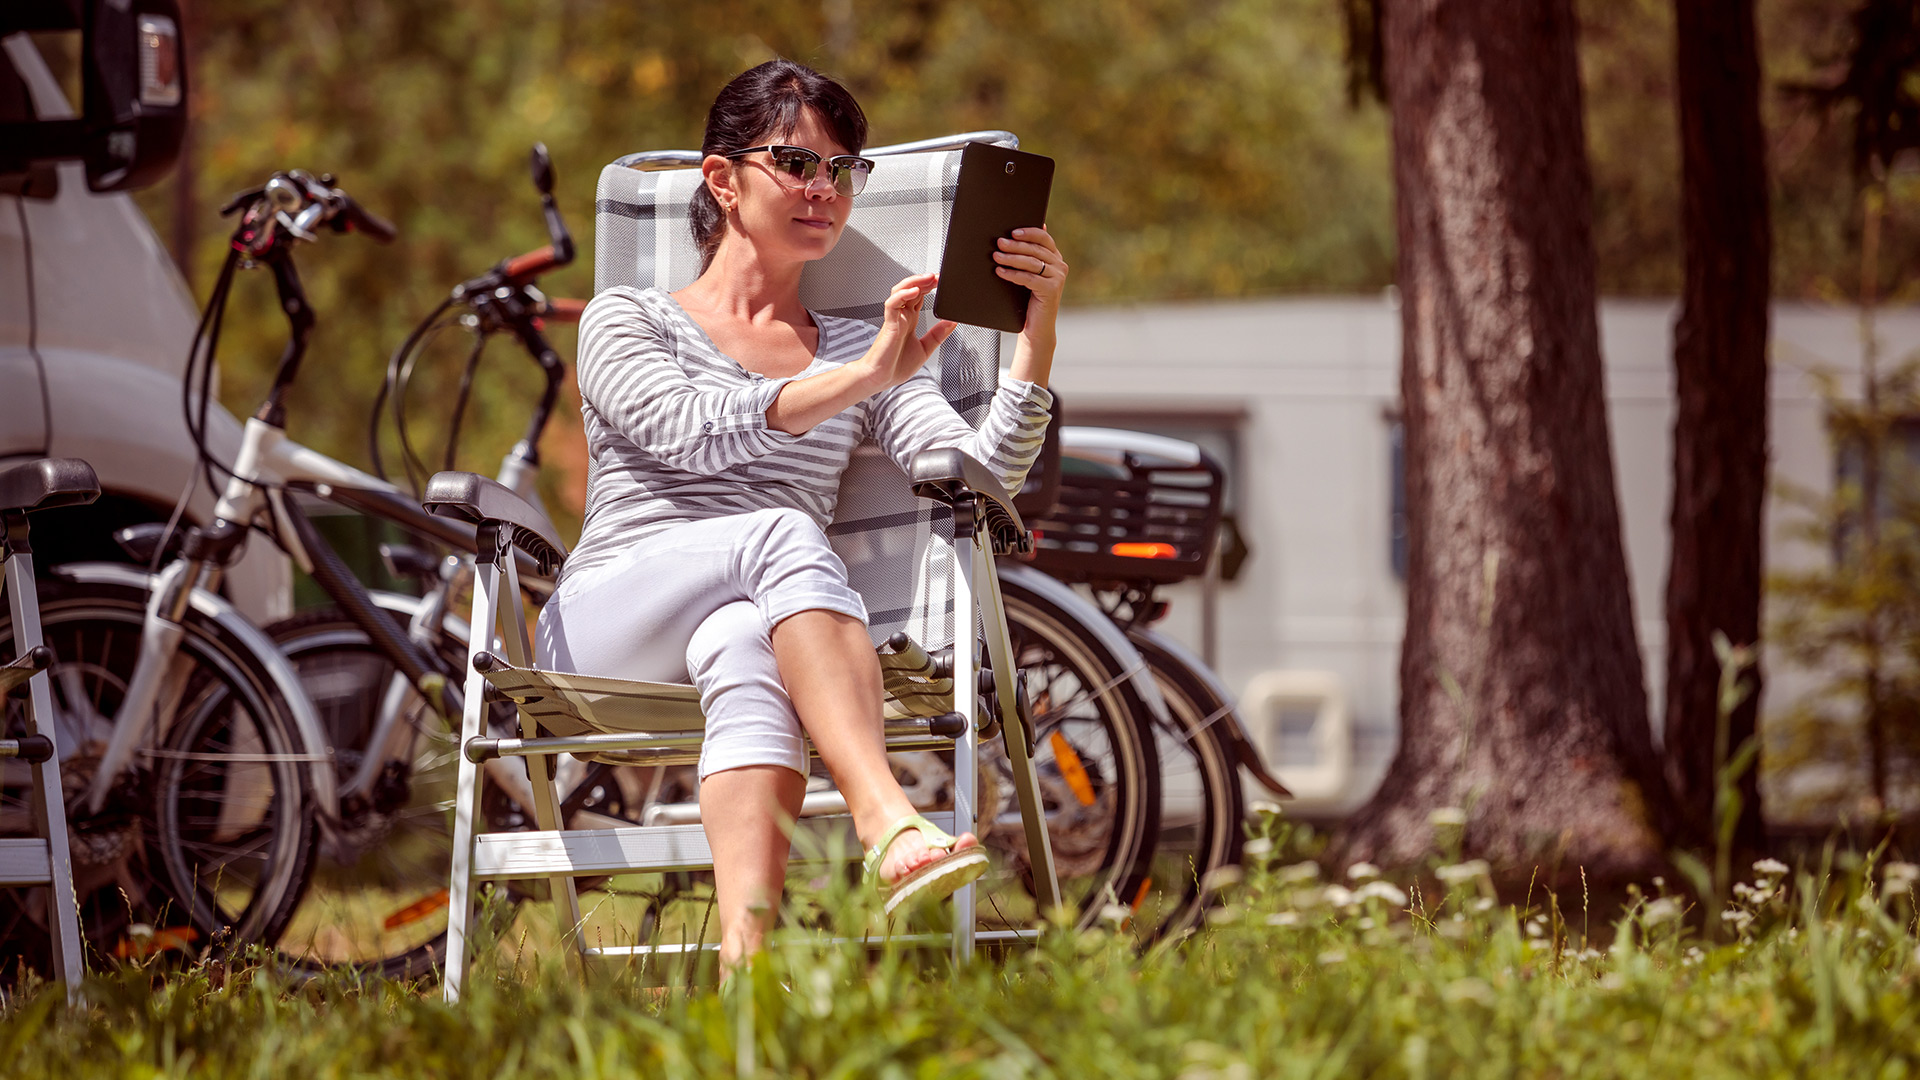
(1081, 692)
(234, 882)
(377, 898)
(1201, 830)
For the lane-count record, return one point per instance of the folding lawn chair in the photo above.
(44, 858)
(919, 550)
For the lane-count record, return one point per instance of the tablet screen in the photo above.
(1000, 190)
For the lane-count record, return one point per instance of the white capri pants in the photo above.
(698, 603)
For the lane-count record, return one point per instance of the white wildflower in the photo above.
(1742, 889)
(1484, 904)
(1221, 916)
(1284, 918)
(1367, 923)
(1361, 871)
(1659, 882)
(1469, 989)
(1761, 896)
(1298, 872)
(1770, 867)
(1693, 956)
(1264, 806)
(1220, 877)
(1665, 909)
(1447, 817)
(1257, 848)
(1337, 895)
(1459, 873)
(1382, 890)
(1900, 875)
(1117, 914)
(1537, 926)
(1332, 957)
(1737, 918)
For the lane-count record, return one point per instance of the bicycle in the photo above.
(1134, 513)
(238, 795)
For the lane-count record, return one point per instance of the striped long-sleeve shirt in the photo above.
(677, 430)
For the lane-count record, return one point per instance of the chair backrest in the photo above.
(894, 545)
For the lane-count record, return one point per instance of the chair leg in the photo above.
(49, 810)
(966, 751)
(466, 802)
(540, 769)
(1026, 782)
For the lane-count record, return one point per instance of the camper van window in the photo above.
(1899, 481)
(16, 105)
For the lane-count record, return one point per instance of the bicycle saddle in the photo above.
(46, 483)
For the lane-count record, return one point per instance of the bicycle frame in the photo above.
(269, 464)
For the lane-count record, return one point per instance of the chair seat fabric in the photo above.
(566, 704)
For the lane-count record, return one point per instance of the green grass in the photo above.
(1295, 976)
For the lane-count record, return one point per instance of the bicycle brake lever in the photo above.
(242, 200)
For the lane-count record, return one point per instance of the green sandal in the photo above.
(936, 880)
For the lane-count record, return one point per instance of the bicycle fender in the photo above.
(1092, 618)
(212, 606)
(1236, 728)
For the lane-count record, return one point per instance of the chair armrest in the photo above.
(45, 483)
(949, 476)
(473, 498)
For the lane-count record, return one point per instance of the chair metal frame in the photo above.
(984, 524)
(44, 859)
(974, 698)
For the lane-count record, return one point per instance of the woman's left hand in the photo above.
(1030, 258)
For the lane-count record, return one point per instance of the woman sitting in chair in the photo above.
(719, 420)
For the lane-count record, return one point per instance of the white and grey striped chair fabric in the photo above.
(894, 545)
(901, 550)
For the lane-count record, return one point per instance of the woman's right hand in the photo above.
(898, 351)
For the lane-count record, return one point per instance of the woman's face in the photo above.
(783, 223)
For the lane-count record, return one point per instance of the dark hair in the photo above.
(761, 104)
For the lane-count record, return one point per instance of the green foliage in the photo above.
(1854, 618)
(1205, 149)
(1294, 976)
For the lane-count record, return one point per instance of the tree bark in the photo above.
(1720, 396)
(1522, 696)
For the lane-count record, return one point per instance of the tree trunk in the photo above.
(1720, 397)
(1522, 696)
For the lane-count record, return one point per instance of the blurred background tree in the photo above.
(1206, 149)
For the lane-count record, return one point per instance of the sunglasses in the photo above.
(797, 166)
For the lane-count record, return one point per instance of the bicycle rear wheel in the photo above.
(1202, 805)
(1098, 767)
(224, 868)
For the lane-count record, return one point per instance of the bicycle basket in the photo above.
(1130, 508)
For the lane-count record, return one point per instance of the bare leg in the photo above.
(828, 667)
(744, 811)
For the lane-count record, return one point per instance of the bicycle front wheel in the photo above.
(205, 840)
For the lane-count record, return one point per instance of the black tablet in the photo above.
(1000, 190)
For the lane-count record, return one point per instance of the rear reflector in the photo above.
(1146, 551)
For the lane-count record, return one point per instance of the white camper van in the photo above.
(95, 324)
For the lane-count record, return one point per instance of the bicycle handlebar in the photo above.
(359, 219)
(524, 268)
(563, 309)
